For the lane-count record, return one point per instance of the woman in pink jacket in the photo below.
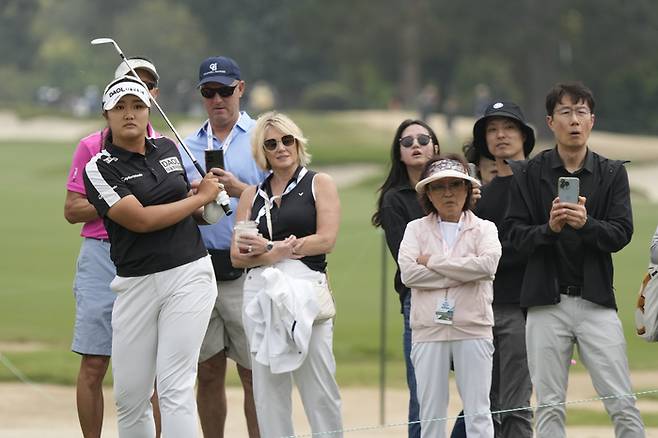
(448, 259)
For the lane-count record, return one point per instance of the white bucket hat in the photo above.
(446, 168)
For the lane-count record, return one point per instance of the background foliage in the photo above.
(346, 54)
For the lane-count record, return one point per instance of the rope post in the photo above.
(382, 334)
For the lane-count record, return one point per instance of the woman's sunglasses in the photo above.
(271, 143)
(408, 141)
(209, 92)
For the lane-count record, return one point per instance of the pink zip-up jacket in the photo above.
(463, 274)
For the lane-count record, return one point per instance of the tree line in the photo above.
(351, 54)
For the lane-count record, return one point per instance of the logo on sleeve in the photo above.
(171, 164)
(129, 177)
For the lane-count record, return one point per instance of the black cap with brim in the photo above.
(502, 109)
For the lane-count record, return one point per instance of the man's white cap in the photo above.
(135, 63)
(123, 86)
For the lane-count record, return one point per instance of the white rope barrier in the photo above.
(23, 378)
(547, 405)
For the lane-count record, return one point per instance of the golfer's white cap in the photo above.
(123, 86)
(136, 63)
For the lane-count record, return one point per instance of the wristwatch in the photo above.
(269, 245)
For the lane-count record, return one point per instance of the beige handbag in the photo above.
(325, 301)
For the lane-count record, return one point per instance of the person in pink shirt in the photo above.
(92, 335)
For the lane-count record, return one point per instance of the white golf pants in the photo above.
(158, 323)
(472, 360)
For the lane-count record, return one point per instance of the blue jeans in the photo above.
(414, 409)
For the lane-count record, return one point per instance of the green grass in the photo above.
(39, 251)
(599, 418)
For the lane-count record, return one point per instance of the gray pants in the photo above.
(551, 332)
(510, 384)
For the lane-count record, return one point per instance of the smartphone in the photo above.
(214, 158)
(568, 189)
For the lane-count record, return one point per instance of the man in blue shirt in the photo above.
(228, 129)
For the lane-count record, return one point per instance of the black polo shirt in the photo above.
(155, 178)
(569, 245)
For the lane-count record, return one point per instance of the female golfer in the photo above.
(414, 143)
(165, 281)
(92, 335)
(298, 212)
(448, 259)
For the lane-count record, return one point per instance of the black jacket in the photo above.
(608, 229)
(399, 207)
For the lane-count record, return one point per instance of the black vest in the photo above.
(295, 215)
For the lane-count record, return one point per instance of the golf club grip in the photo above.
(224, 200)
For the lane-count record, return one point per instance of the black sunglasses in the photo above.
(408, 141)
(209, 92)
(271, 143)
(150, 85)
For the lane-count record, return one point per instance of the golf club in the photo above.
(222, 198)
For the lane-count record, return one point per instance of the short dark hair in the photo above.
(576, 90)
(425, 200)
(471, 153)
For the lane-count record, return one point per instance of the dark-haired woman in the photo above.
(448, 259)
(165, 283)
(414, 143)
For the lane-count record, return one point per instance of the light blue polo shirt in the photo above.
(238, 160)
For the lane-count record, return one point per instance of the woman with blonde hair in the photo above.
(297, 212)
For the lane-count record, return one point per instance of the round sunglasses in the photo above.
(271, 143)
(209, 92)
(408, 141)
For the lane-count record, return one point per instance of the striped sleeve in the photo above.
(103, 183)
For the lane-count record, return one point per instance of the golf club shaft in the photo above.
(225, 206)
(166, 119)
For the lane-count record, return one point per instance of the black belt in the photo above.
(572, 291)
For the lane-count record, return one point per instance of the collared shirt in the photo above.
(569, 245)
(154, 178)
(608, 229)
(294, 215)
(87, 148)
(238, 159)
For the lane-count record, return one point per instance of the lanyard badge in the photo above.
(444, 311)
